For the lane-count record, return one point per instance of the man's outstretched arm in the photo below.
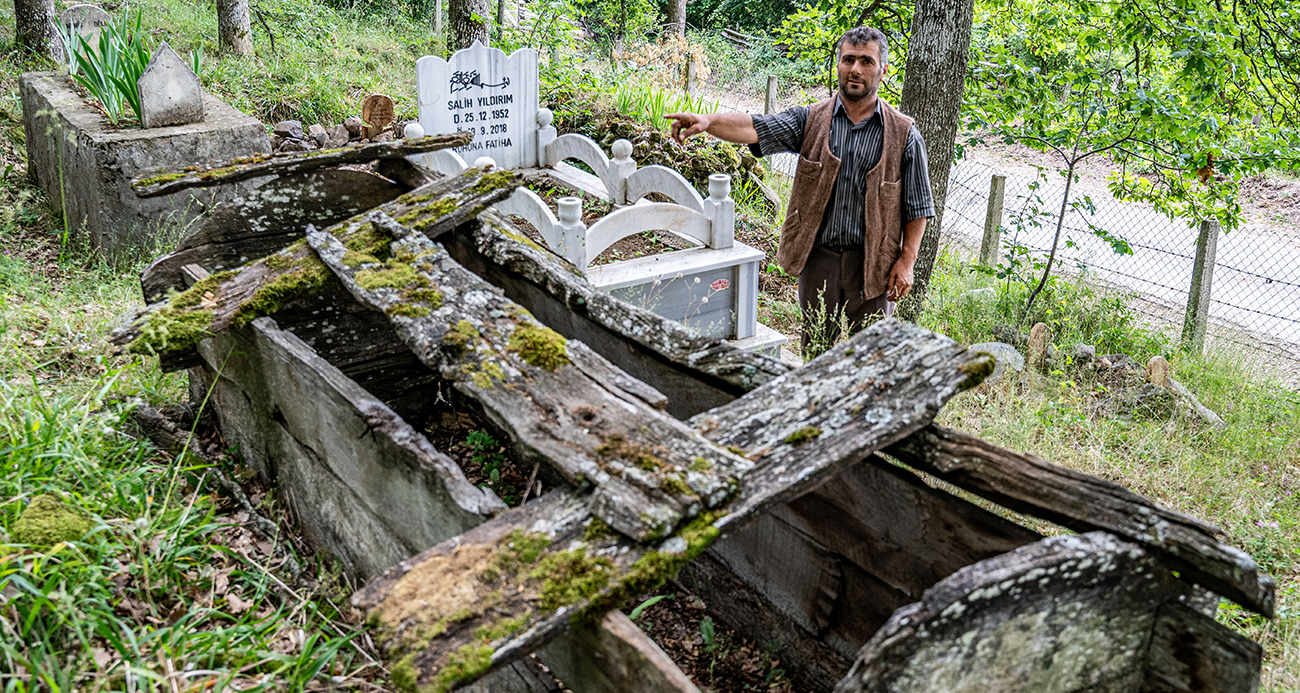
(731, 127)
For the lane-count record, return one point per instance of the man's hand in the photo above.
(688, 125)
(900, 279)
(732, 127)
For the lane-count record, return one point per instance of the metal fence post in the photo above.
(769, 101)
(993, 222)
(1198, 298)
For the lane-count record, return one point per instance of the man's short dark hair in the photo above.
(861, 36)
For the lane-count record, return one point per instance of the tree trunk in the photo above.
(469, 22)
(234, 30)
(34, 24)
(677, 17)
(937, 54)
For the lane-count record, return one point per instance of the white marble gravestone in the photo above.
(86, 21)
(170, 93)
(482, 90)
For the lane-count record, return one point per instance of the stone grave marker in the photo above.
(377, 112)
(87, 21)
(170, 93)
(482, 90)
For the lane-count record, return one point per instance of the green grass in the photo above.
(1244, 478)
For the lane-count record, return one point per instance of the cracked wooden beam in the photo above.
(1035, 487)
(173, 327)
(498, 591)
(158, 183)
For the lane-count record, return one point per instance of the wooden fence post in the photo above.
(993, 222)
(437, 18)
(690, 77)
(769, 101)
(1198, 298)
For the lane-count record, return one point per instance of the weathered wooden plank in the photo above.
(700, 372)
(174, 327)
(1033, 486)
(903, 374)
(868, 541)
(367, 486)
(650, 470)
(265, 220)
(1191, 652)
(613, 656)
(866, 393)
(165, 183)
(1064, 614)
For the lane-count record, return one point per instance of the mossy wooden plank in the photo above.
(1028, 484)
(641, 461)
(265, 220)
(244, 168)
(173, 327)
(544, 564)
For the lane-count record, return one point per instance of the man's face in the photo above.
(860, 70)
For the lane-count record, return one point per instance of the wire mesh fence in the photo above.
(1255, 291)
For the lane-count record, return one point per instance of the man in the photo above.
(861, 192)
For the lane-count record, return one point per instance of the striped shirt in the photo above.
(858, 147)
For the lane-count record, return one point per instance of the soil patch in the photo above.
(485, 457)
(717, 659)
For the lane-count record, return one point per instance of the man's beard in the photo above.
(863, 93)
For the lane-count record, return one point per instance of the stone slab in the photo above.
(170, 93)
(85, 166)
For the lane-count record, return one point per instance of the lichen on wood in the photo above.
(244, 168)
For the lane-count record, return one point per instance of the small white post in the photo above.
(746, 300)
(721, 211)
(545, 134)
(573, 233)
(622, 166)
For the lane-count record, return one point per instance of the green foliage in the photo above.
(486, 451)
(111, 69)
(614, 21)
(640, 608)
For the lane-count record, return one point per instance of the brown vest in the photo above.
(814, 180)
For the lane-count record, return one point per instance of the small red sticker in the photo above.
(720, 284)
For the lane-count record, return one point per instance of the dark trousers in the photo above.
(831, 285)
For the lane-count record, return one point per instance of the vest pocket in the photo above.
(808, 167)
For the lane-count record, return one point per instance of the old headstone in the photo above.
(377, 113)
(482, 90)
(1036, 352)
(170, 93)
(87, 21)
(1158, 371)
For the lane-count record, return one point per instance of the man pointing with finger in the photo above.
(861, 192)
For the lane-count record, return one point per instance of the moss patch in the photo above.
(170, 329)
(502, 628)
(642, 456)
(369, 240)
(194, 295)
(596, 529)
(699, 464)
(570, 577)
(47, 520)
(516, 551)
(461, 336)
(464, 664)
(310, 275)
(803, 435)
(977, 370)
(352, 258)
(433, 297)
(539, 346)
(403, 674)
(407, 310)
(671, 483)
(487, 374)
(492, 181)
(395, 275)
